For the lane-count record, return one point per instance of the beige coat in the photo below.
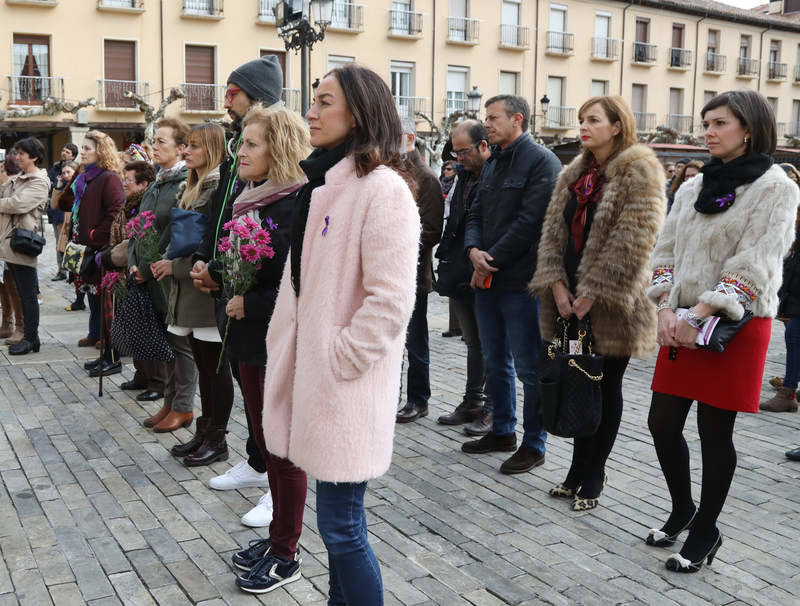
(22, 200)
(615, 265)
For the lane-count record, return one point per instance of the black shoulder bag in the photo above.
(27, 242)
(570, 397)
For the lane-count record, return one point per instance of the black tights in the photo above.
(715, 426)
(590, 453)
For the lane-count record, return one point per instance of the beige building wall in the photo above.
(477, 45)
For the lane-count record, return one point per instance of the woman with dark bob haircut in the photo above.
(720, 254)
(336, 338)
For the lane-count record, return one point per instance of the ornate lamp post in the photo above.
(294, 21)
(474, 101)
(544, 103)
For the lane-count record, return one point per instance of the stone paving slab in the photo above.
(94, 510)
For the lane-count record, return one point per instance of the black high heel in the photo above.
(24, 347)
(677, 563)
(659, 538)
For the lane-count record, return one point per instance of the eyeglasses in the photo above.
(463, 152)
(127, 181)
(230, 93)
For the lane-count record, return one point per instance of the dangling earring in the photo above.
(746, 140)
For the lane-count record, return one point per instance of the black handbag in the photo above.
(27, 242)
(570, 396)
(724, 331)
(136, 330)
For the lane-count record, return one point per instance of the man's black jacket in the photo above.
(506, 218)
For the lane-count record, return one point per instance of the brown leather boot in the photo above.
(213, 449)
(783, 401)
(174, 420)
(187, 448)
(156, 418)
(6, 330)
(16, 336)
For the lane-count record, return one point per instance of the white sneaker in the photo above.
(240, 475)
(261, 515)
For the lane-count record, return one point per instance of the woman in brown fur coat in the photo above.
(594, 255)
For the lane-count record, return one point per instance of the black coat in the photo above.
(455, 269)
(246, 341)
(789, 293)
(506, 218)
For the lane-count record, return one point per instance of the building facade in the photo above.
(667, 57)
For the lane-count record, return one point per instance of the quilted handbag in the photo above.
(186, 230)
(76, 258)
(27, 242)
(136, 330)
(570, 397)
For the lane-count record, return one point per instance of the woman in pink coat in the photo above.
(336, 338)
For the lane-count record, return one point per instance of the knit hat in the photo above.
(261, 79)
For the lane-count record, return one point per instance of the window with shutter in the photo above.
(119, 72)
(200, 89)
(30, 82)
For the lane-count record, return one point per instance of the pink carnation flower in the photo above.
(250, 223)
(249, 253)
(262, 237)
(241, 231)
(229, 225)
(224, 245)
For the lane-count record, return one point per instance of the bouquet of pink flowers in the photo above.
(241, 253)
(142, 228)
(114, 282)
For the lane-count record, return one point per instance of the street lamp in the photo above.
(544, 103)
(294, 21)
(474, 101)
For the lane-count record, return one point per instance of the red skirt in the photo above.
(730, 380)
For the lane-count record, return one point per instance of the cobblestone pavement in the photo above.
(93, 509)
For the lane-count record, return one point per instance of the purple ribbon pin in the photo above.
(327, 223)
(725, 200)
(271, 224)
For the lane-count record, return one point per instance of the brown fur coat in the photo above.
(615, 266)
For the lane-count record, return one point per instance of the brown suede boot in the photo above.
(17, 335)
(783, 401)
(6, 330)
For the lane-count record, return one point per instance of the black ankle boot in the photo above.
(207, 453)
(187, 448)
(23, 347)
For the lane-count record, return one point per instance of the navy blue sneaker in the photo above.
(252, 555)
(270, 573)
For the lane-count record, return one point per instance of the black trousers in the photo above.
(27, 285)
(216, 390)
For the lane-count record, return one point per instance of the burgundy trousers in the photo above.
(287, 483)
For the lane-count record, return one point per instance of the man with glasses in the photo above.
(471, 149)
(257, 81)
(502, 237)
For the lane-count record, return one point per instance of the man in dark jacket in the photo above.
(431, 211)
(502, 237)
(56, 217)
(258, 81)
(471, 149)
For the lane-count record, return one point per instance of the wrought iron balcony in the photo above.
(347, 17)
(121, 5)
(776, 71)
(560, 117)
(748, 68)
(111, 93)
(781, 128)
(405, 24)
(514, 36)
(605, 49)
(645, 122)
(680, 122)
(643, 53)
(461, 30)
(680, 58)
(291, 97)
(33, 90)
(203, 8)
(716, 63)
(797, 74)
(457, 104)
(408, 107)
(560, 43)
(794, 129)
(265, 12)
(203, 97)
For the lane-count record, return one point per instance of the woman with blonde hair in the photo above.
(594, 258)
(98, 195)
(191, 312)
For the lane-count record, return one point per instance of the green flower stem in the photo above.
(224, 341)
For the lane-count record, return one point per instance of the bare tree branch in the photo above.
(49, 107)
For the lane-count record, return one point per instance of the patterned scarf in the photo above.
(587, 189)
(166, 173)
(79, 188)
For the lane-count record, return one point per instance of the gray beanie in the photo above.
(261, 79)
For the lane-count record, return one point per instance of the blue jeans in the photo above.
(792, 337)
(509, 329)
(355, 576)
(418, 386)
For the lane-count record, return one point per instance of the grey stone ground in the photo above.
(93, 509)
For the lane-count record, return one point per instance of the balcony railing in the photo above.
(605, 49)
(203, 8)
(32, 90)
(405, 24)
(347, 17)
(680, 57)
(291, 98)
(514, 36)
(797, 73)
(680, 122)
(47, 3)
(794, 129)
(748, 67)
(203, 97)
(645, 122)
(265, 13)
(408, 107)
(780, 128)
(560, 43)
(111, 93)
(455, 102)
(776, 71)
(560, 117)
(716, 63)
(644, 53)
(123, 4)
(463, 30)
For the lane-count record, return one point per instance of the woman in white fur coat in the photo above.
(720, 253)
(335, 341)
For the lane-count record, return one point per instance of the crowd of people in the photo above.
(339, 216)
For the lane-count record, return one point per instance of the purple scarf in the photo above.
(91, 173)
